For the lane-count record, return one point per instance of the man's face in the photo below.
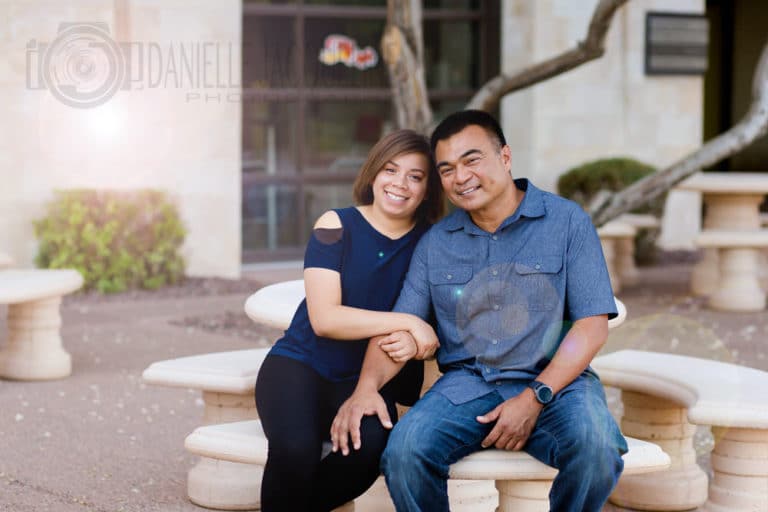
(474, 171)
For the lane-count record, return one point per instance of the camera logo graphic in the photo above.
(83, 67)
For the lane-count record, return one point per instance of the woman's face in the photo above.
(400, 186)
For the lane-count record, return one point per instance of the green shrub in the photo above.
(116, 239)
(614, 174)
(582, 183)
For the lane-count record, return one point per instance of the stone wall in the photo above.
(175, 128)
(605, 108)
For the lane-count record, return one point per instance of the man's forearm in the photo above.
(583, 341)
(378, 368)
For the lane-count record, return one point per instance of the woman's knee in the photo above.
(295, 451)
(373, 436)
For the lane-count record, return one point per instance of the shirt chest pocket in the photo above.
(447, 287)
(539, 281)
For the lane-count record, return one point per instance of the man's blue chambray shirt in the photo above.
(503, 301)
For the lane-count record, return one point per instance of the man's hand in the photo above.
(400, 346)
(346, 424)
(515, 419)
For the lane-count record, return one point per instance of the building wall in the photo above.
(607, 107)
(165, 132)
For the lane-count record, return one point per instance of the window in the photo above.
(316, 100)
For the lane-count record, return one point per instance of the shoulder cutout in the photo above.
(328, 220)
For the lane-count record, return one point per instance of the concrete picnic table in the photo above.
(732, 201)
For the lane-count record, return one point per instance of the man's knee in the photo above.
(596, 454)
(407, 445)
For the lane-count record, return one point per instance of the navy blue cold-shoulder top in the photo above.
(372, 268)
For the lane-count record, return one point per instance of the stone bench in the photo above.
(275, 305)
(738, 279)
(227, 381)
(5, 261)
(523, 482)
(618, 240)
(34, 350)
(664, 396)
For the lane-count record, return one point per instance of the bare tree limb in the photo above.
(753, 125)
(402, 47)
(489, 96)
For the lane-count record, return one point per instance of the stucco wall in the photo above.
(162, 133)
(605, 108)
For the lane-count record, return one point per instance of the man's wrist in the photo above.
(542, 393)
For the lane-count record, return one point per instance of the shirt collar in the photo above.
(531, 206)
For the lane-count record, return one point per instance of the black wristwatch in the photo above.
(544, 393)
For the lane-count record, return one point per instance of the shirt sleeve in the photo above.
(325, 249)
(415, 297)
(588, 286)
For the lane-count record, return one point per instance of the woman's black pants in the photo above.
(296, 407)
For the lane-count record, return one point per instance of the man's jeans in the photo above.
(575, 433)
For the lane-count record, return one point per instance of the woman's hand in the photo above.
(399, 346)
(425, 338)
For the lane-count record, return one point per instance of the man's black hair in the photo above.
(457, 121)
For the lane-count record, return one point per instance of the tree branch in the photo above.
(489, 96)
(753, 125)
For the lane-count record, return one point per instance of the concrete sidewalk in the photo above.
(101, 440)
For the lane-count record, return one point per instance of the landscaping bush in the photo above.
(614, 174)
(582, 183)
(115, 239)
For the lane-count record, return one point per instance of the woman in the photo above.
(354, 267)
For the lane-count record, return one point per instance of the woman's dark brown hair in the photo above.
(389, 147)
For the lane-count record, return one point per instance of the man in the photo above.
(520, 292)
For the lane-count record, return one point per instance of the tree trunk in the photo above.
(402, 48)
(753, 125)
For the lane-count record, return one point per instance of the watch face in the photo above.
(544, 394)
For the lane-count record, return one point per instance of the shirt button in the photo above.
(495, 342)
(495, 307)
(494, 272)
(487, 370)
(537, 266)
(495, 237)
(449, 276)
(498, 383)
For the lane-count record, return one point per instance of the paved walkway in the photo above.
(102, 440)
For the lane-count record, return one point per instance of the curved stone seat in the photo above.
(664, 395)
(274, 305)
(5, 261)
(34, 350)
(232, 372)
(17, 286)
(227, 381)
(521, 480)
